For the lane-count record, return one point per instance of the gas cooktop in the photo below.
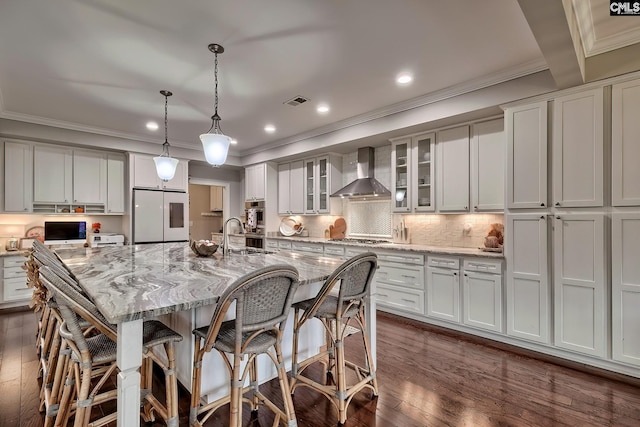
(363, 241)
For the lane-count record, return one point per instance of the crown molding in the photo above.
(10, 115)
(521, 70)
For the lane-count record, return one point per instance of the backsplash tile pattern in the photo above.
(427, 229)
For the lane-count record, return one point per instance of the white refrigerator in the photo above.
(160, 216)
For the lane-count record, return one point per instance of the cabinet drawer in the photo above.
(316, 248)
(405, 275)
(272, 244)
(14, 273)
(443, 262)
(16, 289)
(284, 244)
(351, 252)
(401, 299)
(14, 261)
(486, 266)
(403, 257)
(334, 250)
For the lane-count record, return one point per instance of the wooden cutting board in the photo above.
(338, 229)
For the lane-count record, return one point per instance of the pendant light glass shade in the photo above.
(216, 147)
(165, 164)
(215, 143)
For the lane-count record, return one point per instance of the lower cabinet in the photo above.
(400, 282)
(482, 293)
(625, 287)
(580, 315)
(443, 288)
(14, 280)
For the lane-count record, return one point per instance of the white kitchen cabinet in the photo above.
(443, 288)
(216, 200)
(146, 176)
(308, 248)
(578, 145)
(482, 294)
(528, 296)
(255, 182)
(291, 188)
(412, 173)
(400, 282)
(452, 150)
(487, 166)
(18, 177)
(322, 176)
(89, 177)
(52, 174)
(14, 280)
(115, 183)
(526, 129)
(625, 287)
(580, 316)
(625, 144)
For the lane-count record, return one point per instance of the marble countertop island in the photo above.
(141, 281)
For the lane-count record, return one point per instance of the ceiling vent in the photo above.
(294, 102)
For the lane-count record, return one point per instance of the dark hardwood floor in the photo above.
(426, 378)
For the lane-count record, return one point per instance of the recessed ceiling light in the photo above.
(152, 126)
(270, 128)
(233, 141)
(404, 78)
(322, 109)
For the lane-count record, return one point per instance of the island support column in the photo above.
(129, 362)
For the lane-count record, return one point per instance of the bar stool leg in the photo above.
(171, 385)
(195, 388)
(284, 387)
(235, 415)
(369, 358)
(253, 377)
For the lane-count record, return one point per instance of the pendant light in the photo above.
(214, 142)
(165, 164)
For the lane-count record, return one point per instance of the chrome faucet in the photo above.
(225, 233)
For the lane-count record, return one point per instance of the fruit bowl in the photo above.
(203, 247)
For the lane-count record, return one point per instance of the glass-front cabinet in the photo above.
(322, 176)
(412, 173)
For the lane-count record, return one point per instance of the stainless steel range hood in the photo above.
(366, 184)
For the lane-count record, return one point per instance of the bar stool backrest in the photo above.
(263, 300)
(40, 248)
(79, 303)
(60, 271)
(353, 277)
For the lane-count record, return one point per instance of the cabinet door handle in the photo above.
(383, 295)
(465, 208)
(557, 203)
(455, 273)
(542, 217)
(558, 217)
(408, 300)
(475, 207)
(542, 204)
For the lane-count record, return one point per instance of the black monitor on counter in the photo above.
(65, 232)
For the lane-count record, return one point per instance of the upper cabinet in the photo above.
(145, 175)
(487, 166)
(18, 177)
(625, 144)
(52, 174)
(578, 149)
(291, 188)
(322, 176)
(526, 128)
(255, 182)
(216, 199)
(452, 166)
(115, 183)
(412, 173)
(89, 176)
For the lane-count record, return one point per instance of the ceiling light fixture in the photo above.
(322, 109)
(404, 78)
(152, 126)
(165, 164)
(270, 128)
(214, 142)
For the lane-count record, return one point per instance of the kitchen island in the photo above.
(131, 283)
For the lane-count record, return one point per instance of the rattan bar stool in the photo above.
(154, 334)
(262, 303)
(338, 311)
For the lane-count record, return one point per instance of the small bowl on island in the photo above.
(203, 247)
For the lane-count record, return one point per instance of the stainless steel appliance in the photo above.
(254, 230)
(160, 216)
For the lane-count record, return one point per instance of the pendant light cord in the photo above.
(166, 141)
(215, 73)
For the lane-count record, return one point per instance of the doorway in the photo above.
(208, 207)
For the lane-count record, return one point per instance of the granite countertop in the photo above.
(21, 252)
(140, 281)
(441, 250)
